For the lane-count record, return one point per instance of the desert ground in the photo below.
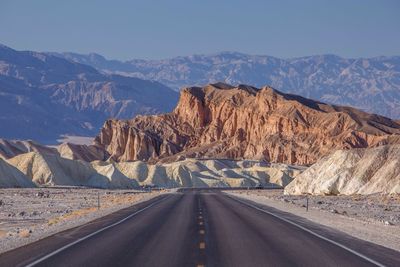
(29, 214)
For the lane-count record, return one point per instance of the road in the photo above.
(200, 228)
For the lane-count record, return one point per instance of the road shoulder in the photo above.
(384, 235)
(41, 229)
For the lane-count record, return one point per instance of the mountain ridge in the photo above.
(371, 84)
(244, 122)
(54, 96)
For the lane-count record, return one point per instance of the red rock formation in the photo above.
(222, 121)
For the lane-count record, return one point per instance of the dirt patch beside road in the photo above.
(27, 215)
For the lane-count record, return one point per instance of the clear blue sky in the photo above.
(163, 29)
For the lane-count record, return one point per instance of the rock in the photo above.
(334, 211)
(388, 223)
(356, 171)
(209, 172)
(12, 148)
(81, 152)
(12, 177)
(223, 121)
(50, 170)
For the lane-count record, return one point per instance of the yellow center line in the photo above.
(200, 217)
(202, 232)
(200, 223)
(202, 245)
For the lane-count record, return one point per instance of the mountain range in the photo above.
(370, 84)
(44, 96)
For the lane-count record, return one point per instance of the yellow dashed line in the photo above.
(202, 232)
(200, 217)
(202, 245)
(200, 223)
(200, 265)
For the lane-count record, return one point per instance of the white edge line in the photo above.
(311, 232)
(89, 235)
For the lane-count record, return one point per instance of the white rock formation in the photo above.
(53, 170)
(210, 173)
(356, 171)
(12, 177)
(50, 170)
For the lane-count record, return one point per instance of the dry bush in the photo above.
(24, 233)
(71, 215)
(3, 233)
(53, 220)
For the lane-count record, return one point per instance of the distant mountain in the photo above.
(371, 84)
(44, 96)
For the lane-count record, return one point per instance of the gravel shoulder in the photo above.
(374, 218)
(27, 215)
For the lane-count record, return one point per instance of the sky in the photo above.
(152, 29)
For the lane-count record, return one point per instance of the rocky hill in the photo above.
(223, 121)
(12, 148)
(42, 169)
(371, 84)
(210, 173)
(51, 170)
(12, 177)
(356, 171)
(44, 96)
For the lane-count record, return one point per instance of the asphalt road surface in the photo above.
(200, 228)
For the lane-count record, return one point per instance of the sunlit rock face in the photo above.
(223, 121)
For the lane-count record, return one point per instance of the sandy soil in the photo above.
(27, 215)
(375, 218)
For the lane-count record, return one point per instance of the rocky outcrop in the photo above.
(222, 121)
(12, 177)
(356, 171)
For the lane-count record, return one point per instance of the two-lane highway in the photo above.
(200, 228)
